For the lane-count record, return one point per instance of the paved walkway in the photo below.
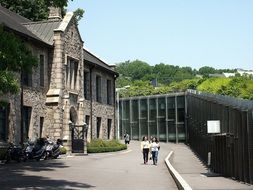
(192, 170)
(114, 171)
(109, 171)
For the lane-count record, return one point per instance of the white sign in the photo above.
(213, 126)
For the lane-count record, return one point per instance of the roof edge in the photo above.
(65, 22)
(89, 52)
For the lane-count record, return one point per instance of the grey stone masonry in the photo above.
(54, 97)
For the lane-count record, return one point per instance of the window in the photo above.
(3, 123)
(98, 126)
(41, 126)
(87, 121)
(109, 127)
(26, 121)
(71, 70)
(86, 85)
(67, 75)
(98, 89)
(27, 79)
(109, 92)
(42, 72)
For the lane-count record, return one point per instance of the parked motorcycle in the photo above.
(36, 150)
(53, 148)
(14, 152)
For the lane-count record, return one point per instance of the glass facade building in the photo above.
(161, 116)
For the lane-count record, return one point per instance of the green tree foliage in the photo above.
(135, 70)
(36, 10)
(139, 70)
(205, 71)
(78, 14)
(213, 85)
(240, 86)
(171, 78)
(15, 56)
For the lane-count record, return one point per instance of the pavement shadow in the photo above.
(15, 176)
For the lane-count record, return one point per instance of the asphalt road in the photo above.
(109, 171)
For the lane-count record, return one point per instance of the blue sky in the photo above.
(195, 33)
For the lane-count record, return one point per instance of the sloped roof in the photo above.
(14, 22)
(91, 58)
(44, 29)
(18, 18)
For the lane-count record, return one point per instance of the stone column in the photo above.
(57, 84)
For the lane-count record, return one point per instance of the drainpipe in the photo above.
(21, 108)
(116, 129)
(91, 106)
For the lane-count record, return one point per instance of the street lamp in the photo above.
(117, 94)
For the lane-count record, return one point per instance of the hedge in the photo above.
(99, 146)
(63, 150)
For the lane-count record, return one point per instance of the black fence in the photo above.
(232, 149)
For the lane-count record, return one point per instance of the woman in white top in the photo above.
(154, 146)
(145, 146)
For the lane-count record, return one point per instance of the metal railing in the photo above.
(232, 149)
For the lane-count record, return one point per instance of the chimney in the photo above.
(54, 13)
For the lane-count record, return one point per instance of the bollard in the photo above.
(209, 156)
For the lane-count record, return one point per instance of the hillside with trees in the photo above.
(144, 80)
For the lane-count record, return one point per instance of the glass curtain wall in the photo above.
(161, 116)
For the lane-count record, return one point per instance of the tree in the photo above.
(136, 70)
(205, 71)
(36, 10)
(15, 57)
(78, 14)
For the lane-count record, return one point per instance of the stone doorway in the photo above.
(77, 133)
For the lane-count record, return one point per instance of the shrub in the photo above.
(98, 146)
(63, 150)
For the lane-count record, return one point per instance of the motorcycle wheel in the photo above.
(7, 158)
(44, 156)
(56, 156)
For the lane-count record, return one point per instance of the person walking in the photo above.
(145, 146)
(154, 146)
(127, 138)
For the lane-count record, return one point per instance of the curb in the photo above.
(180, 182)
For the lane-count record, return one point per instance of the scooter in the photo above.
(53, 149)
(14, 152)
(36, 150)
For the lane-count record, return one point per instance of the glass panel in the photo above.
(152, 110)
(181, 114)
(171, 131)
(181, 132)
(161, 108)
(144, 127)
(135, 111)
(152, 129)
(135, 130)
(143, 109)
(126, 117)
(171, 102)
(171, 108)
(162, 129)
(180, 102)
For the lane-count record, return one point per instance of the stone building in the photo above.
(70, 88)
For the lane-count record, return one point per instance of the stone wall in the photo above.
(34, 96)
(57, 113)
(100, 109)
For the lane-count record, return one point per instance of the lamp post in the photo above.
(117, 94)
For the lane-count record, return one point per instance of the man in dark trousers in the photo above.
(127, 138)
